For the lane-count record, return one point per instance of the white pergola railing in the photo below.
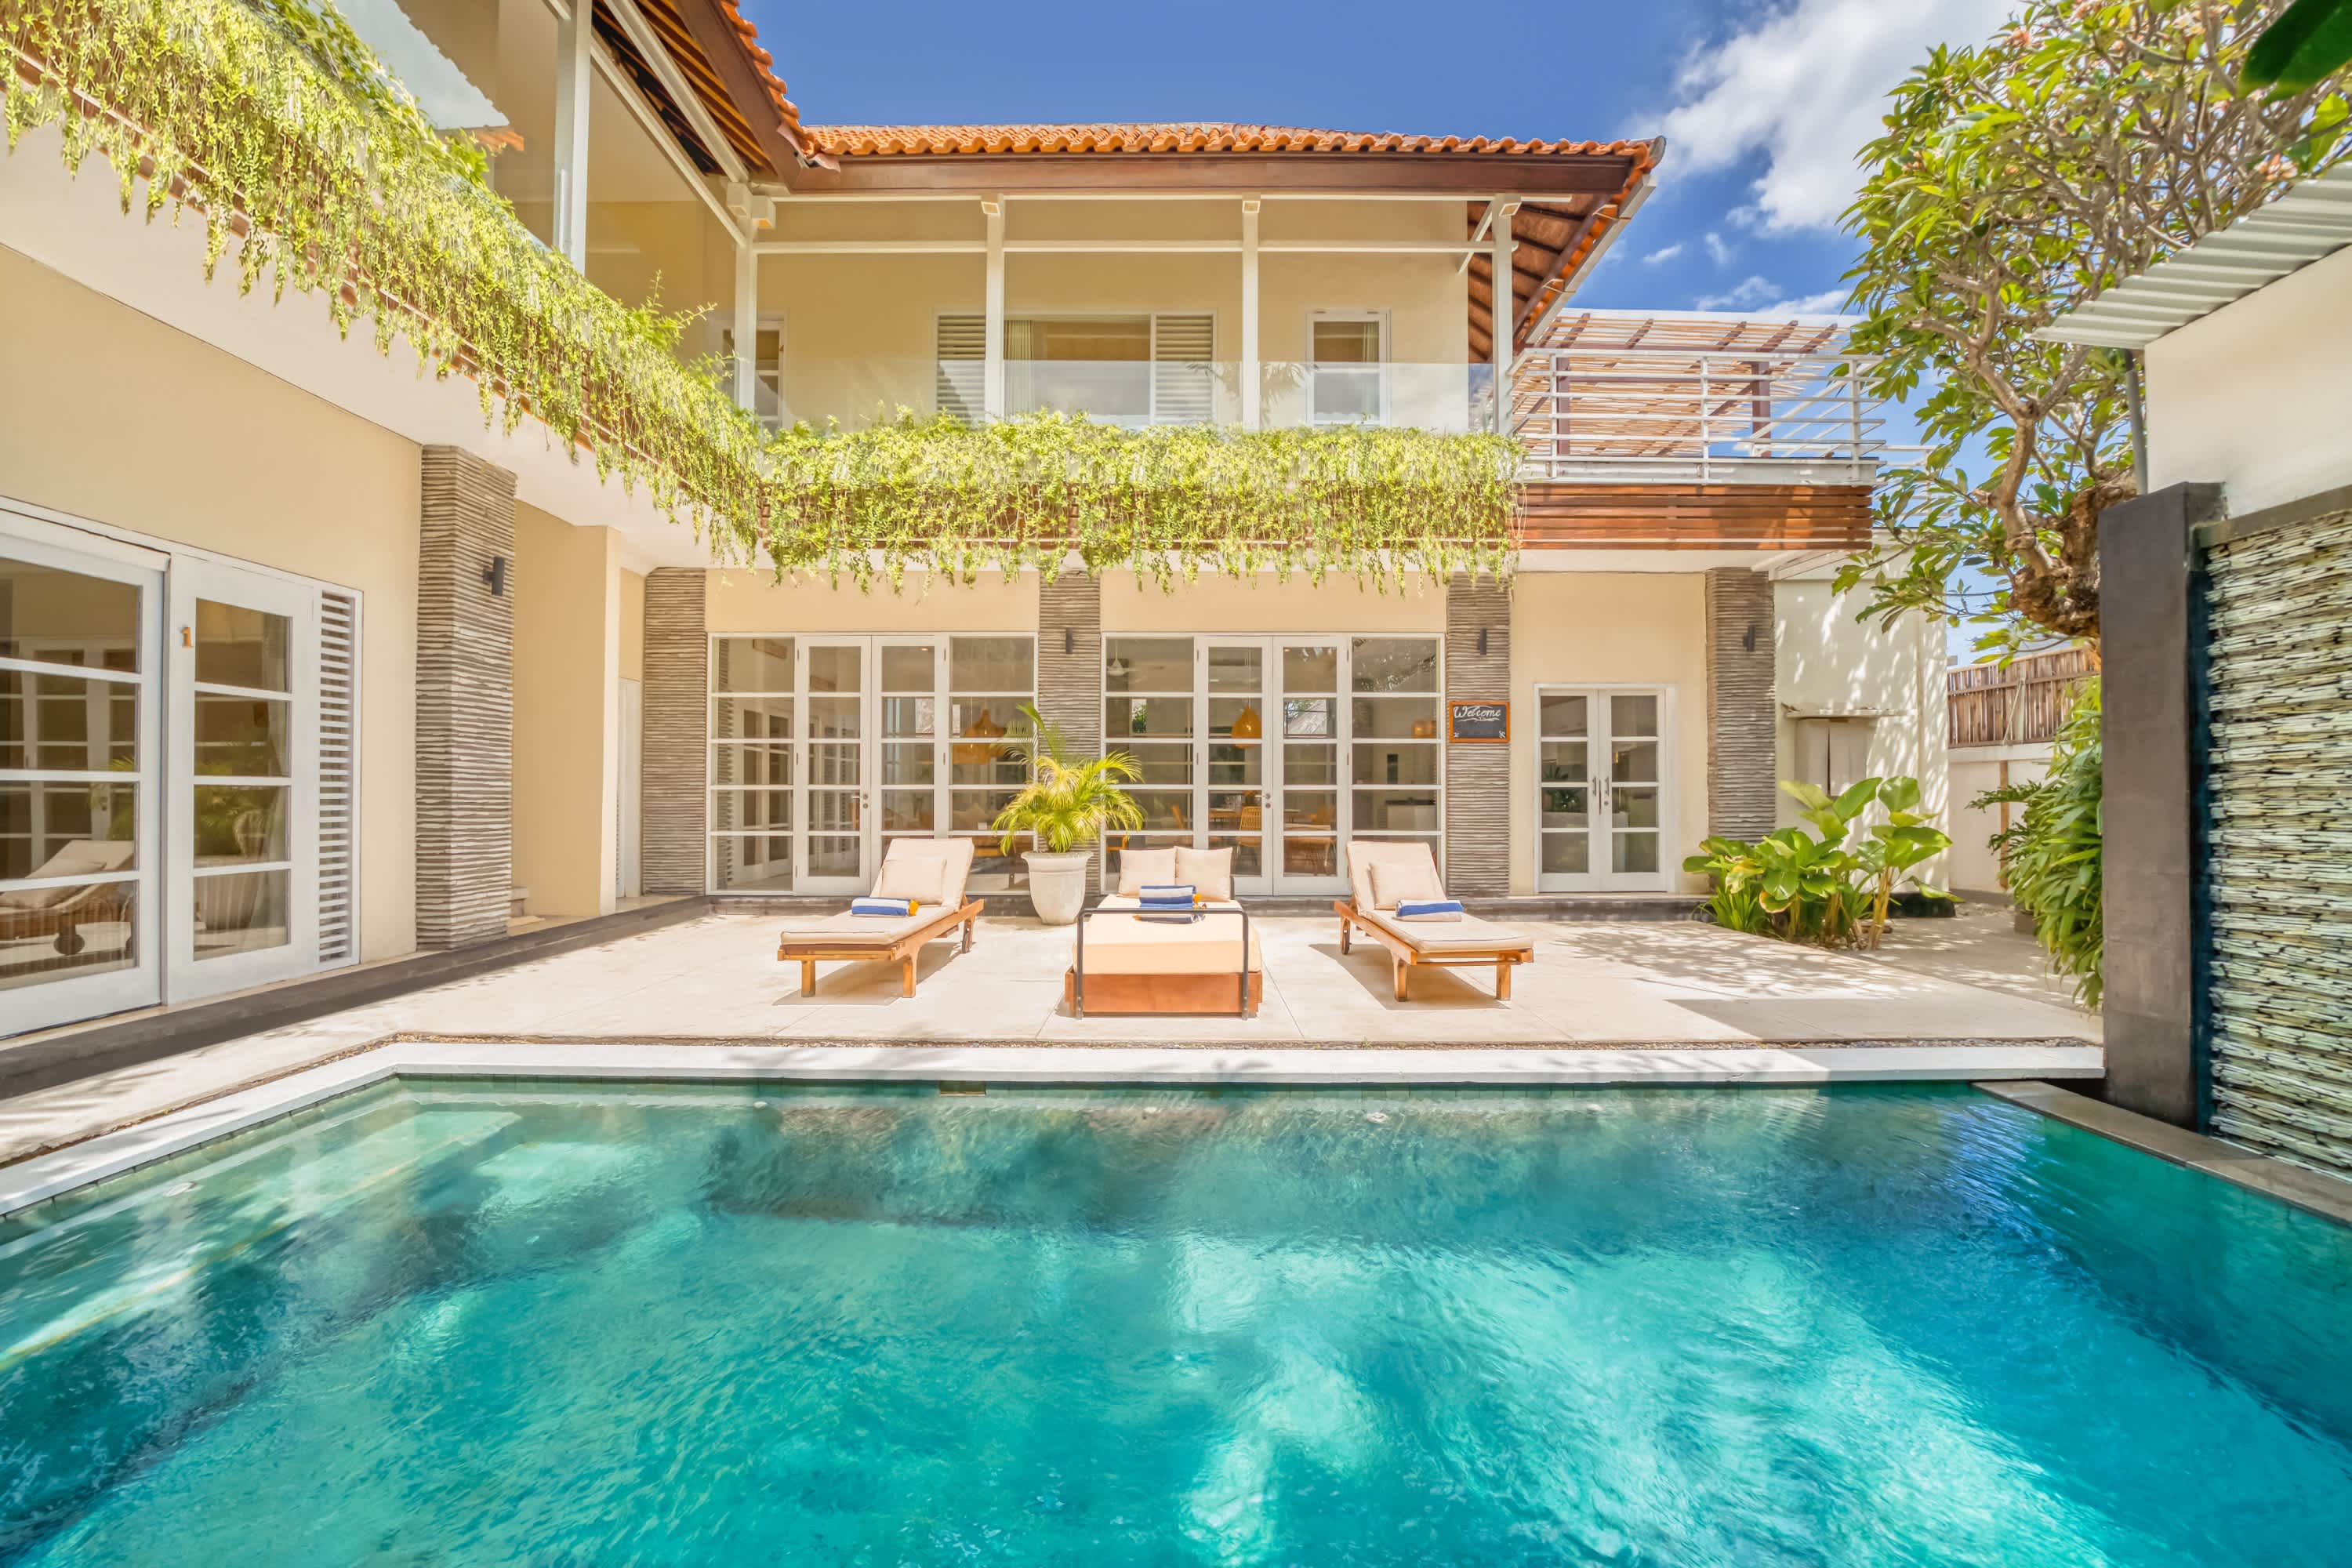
(1642, 415)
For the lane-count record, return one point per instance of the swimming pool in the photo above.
(444, 1322)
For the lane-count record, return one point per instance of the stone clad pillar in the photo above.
(1477, 773)
(1742, 719)
(1070, 662)
(676, 697)
(464, 700)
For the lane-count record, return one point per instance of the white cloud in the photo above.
(1756, 292)
(1802, 83)
(1744, 295)
(1721, 252)
(1668, 254)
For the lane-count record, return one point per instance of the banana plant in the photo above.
(1821, 887)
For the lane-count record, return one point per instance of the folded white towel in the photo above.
(1429, 909)
(899, 908)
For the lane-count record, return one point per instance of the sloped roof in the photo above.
(1175, 136)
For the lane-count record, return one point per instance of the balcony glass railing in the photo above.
(856, 393)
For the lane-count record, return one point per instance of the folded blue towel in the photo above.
(1429, 909)
(1165, 895)
(881, 906)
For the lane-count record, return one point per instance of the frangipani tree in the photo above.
(2017, 179)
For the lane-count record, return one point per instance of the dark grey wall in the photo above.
(2146, 642)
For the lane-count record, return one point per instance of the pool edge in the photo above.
(107, 1154)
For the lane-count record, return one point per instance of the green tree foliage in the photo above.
(2016, 180)
(2309, 43)
(2050, 853)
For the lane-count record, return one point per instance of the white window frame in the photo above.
(1597, 877)
(1151, 363)
(1272, 784)
(1380, 371)
(871, 840)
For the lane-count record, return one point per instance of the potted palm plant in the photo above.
(1065, 807)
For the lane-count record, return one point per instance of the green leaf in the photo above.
(2310, 41)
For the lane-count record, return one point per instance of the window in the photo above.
(767, 369)
(805, 732)
(1133, 369)
(1347, 354)
(1396, 772)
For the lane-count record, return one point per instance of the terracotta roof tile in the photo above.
(1208, 136)
(766, 64)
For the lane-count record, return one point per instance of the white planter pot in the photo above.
(1057, 885)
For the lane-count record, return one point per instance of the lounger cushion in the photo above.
(856, 930)
(1210, 870)
(932, 870)
(1395, 881)
(1363, 853)
(1437, 936)
(77, 857)
(1137, 869)
(1120, 944)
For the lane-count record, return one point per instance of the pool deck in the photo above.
(1602, 1003)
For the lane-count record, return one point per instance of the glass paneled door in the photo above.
(1280, 746)
(836, 695)
(242, 895)
(80, 727)
(1601, 784)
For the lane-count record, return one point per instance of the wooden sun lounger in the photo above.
(812, 949)
(1405, 956)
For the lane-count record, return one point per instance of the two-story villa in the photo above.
(303, 663)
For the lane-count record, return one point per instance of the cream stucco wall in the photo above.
(567, 661)
(1973, 770)
(2253, 395)
(1828, 662)
(108, 414)
(859, 330)
(633, 626)
(1269, 603)
(1574, 628)
(750, 602)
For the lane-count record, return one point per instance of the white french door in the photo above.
(826, 749)
(1604, 786)
(81, 727)
(1281, 747)
(242, 816)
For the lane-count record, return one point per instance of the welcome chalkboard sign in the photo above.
(1478, 721)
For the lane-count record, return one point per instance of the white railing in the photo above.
(1640, 416)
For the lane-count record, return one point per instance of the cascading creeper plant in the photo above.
(276, 125)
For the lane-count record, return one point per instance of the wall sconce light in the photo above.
(495, 574)
(1482, 640)
(1069, 641)
(1748, 641)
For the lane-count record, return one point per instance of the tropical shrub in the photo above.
(1825, 888)
(1068, 801)
(2051, 854)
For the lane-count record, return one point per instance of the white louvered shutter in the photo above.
(338, 639)
(1183, 369)
(962, 388)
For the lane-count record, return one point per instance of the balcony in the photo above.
(1619, 406)
(1135, 393)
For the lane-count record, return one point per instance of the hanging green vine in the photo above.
(274, 123)
(1168, 501)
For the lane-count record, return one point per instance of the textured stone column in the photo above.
(1070, 661)
(1477, 773)
(676, 698)
(1742, 721)
(464, 701)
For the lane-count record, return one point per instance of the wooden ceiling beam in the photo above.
(746, 88)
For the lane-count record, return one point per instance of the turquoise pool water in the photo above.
(441, 1323)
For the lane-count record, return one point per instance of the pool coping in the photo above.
(111, 1153)
(2299, 1186)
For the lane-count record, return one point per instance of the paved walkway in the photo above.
(1593, 986)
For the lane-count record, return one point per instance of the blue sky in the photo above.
(1762, 104)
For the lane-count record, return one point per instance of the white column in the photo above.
(1253, 395)
(747, 321)
(573, 35)
(993, 367)
(1505, 306)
